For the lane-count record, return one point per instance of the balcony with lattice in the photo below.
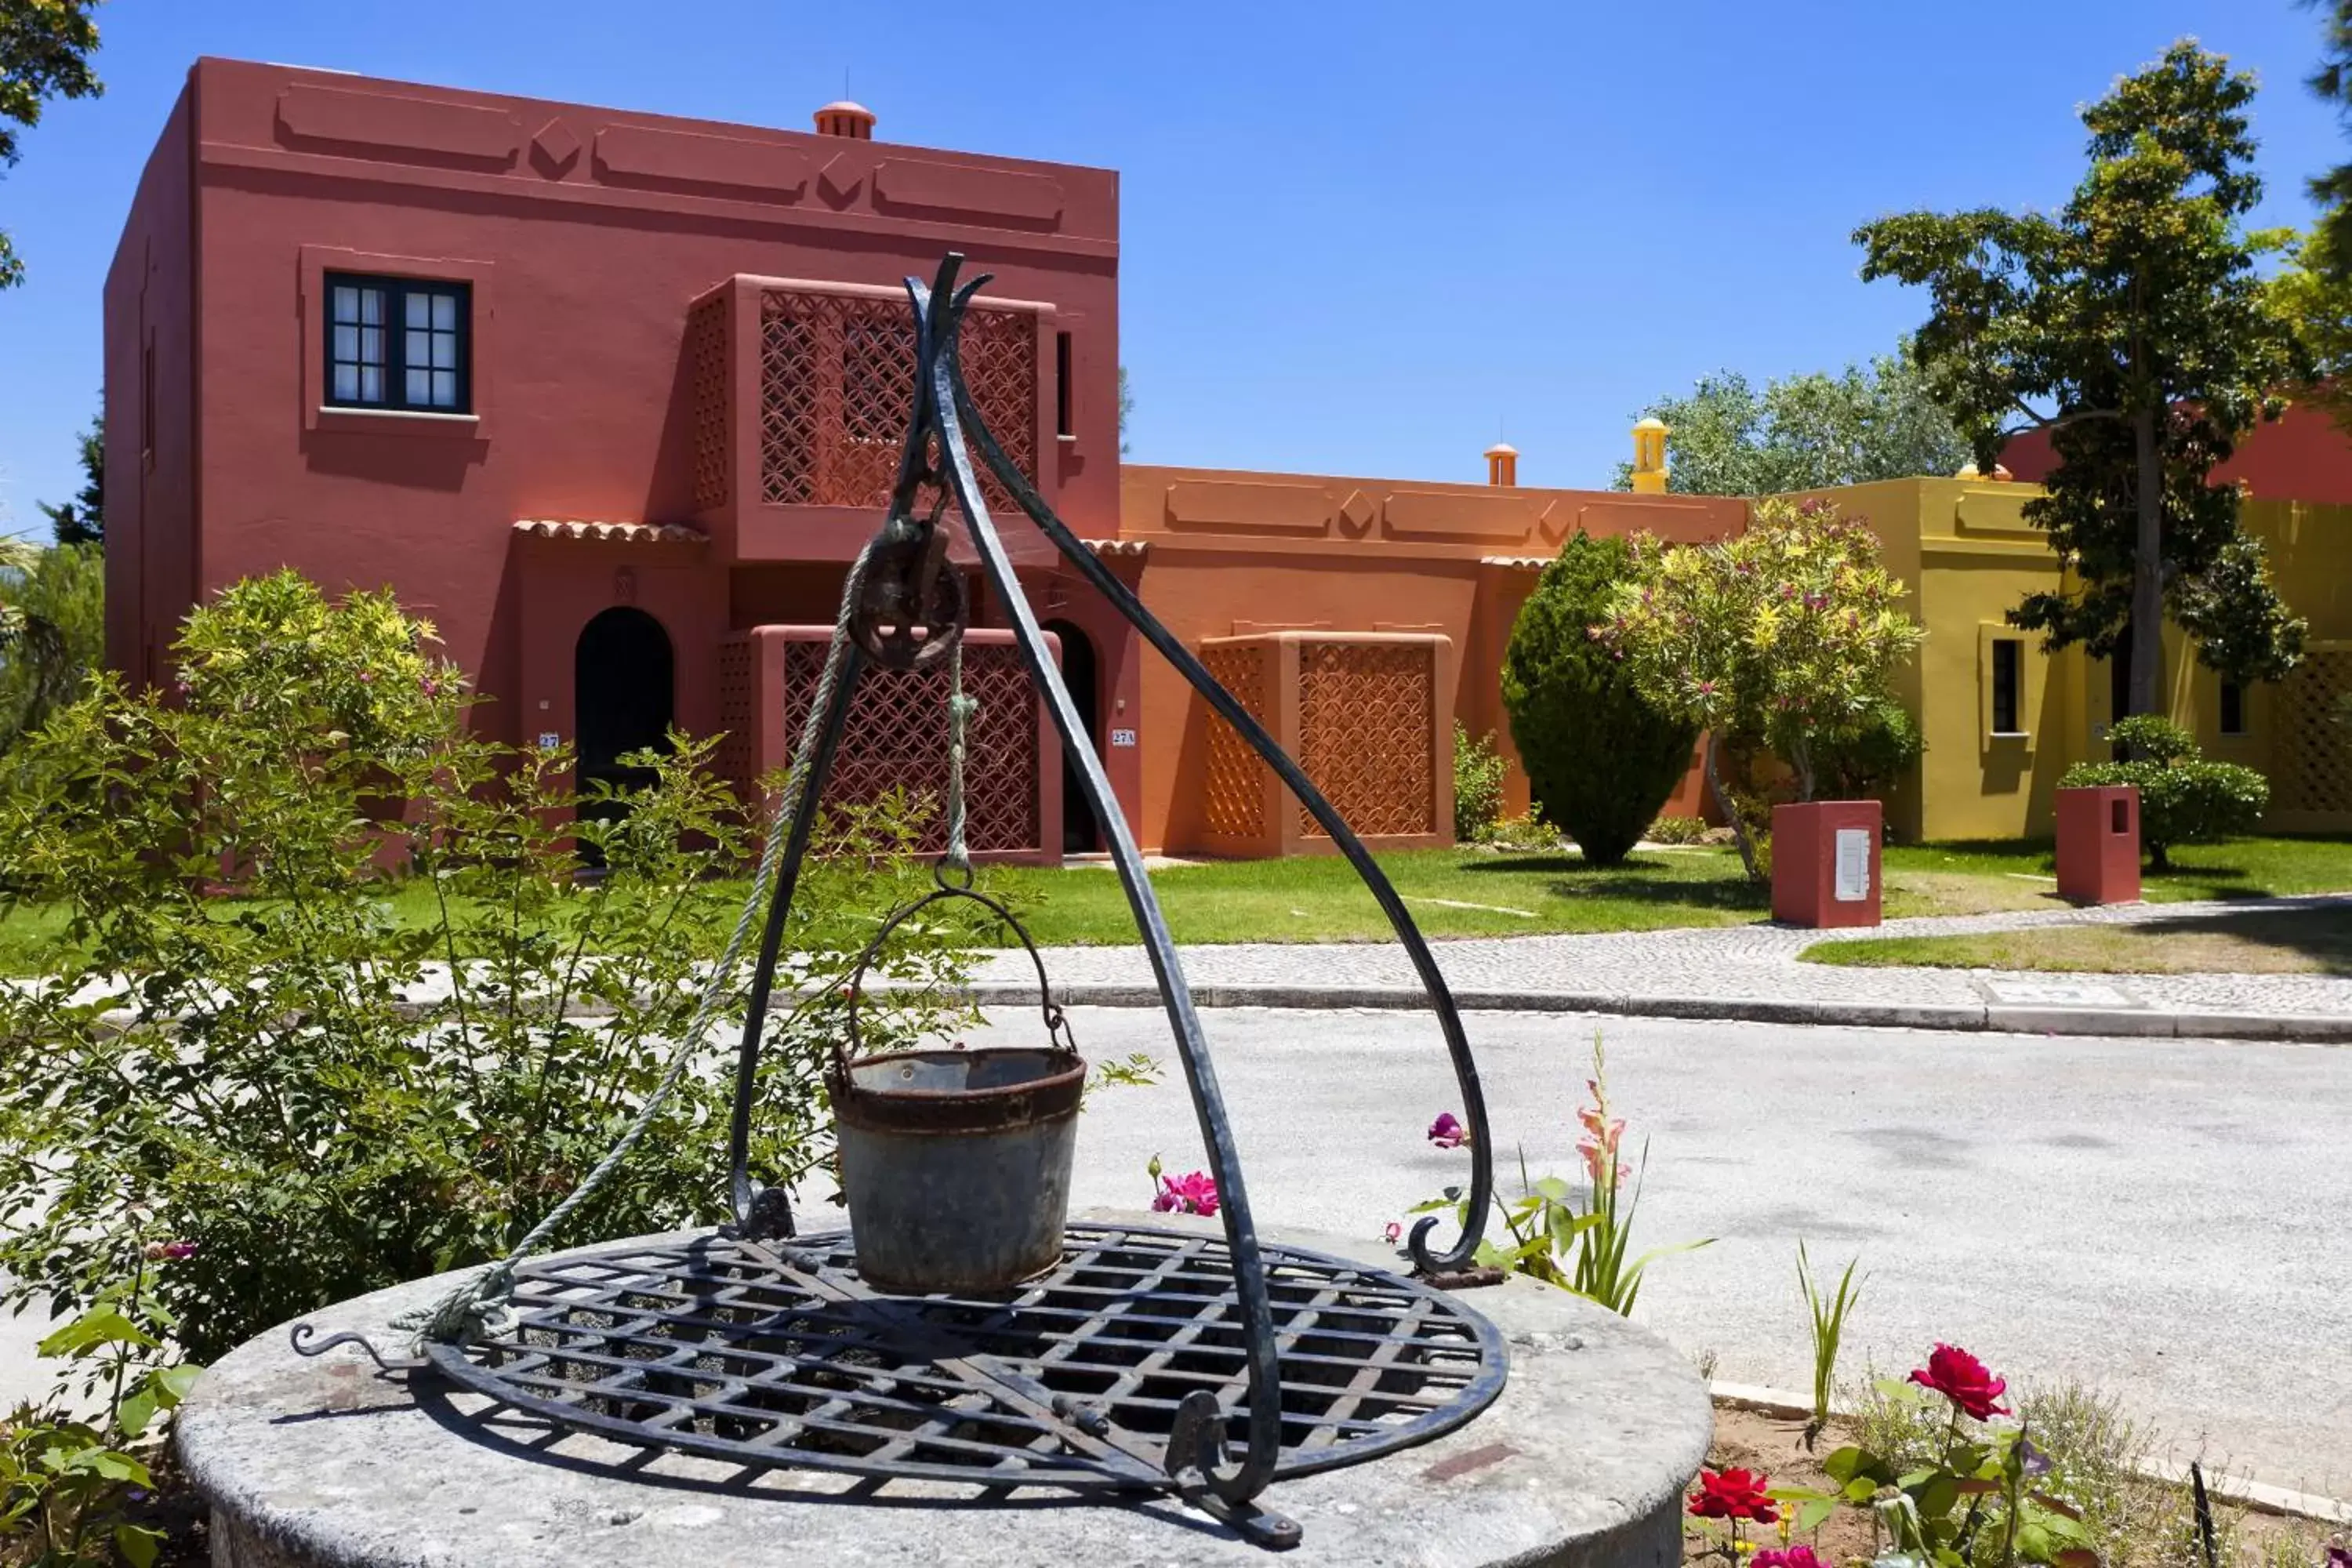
(800, 394)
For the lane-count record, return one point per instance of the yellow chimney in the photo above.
(1502, 464)
(1650, 458)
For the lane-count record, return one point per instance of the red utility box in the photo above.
(2099, 844)
(1825, 862)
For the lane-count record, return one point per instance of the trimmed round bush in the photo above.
(1867, 763)
(1600, 759)
(2183, 798)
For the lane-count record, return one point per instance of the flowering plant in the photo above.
(1587, 1248)
(1193, 1193)
(1792, 631)
(1971, 1503)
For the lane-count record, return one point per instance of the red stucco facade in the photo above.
(684, 386)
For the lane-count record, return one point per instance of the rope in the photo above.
(480, 1305)
(960, 711)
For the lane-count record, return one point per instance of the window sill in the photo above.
(2008, 734)
(396, 422)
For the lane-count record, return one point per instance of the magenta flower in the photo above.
(1392, 1233)
(1447, 1131)
(430, 687)
(1192, 1194)
(169, 1251)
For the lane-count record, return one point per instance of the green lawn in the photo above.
(2248, 941)
(1472, 892)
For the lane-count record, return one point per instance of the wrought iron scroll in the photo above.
(943, 416)
(1461, 1254)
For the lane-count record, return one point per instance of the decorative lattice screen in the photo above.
(1234, 802)
(706, 351)
(1365, 711)
(739, 692)
(897, 737)
(838, 382)
(2311, 759)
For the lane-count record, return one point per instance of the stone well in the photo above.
(1582, 1459)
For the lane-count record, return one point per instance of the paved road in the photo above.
(2166, 1219)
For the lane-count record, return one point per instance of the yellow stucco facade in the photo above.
(2000, 725)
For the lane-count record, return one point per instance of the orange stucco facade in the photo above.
(1229, 556)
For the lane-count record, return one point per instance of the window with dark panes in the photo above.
(2008, 684)
(2233, 709)
(400, 343)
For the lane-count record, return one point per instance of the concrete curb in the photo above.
(2310, 1027)
(2256, 1497)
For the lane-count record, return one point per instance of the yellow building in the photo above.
(2001, 721)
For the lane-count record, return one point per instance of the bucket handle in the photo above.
(1058, 1026)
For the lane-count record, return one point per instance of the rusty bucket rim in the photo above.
(1052, 1096)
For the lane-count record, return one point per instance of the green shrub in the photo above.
(1477, 786)
(2183, 798)
(1868, 761)
(1676, 830)
(1601, 759)
(324, 1100)
(52, 630)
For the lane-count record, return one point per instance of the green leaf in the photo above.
(1810, 1515)
(1844, 1464)
(103, 1326)
(139, 1545)
(171, 1383)
(136, 1410)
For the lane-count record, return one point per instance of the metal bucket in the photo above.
(956, 1163)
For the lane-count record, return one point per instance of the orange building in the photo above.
(1357, 618)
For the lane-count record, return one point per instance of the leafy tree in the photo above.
(1600, 758)
(44, 49)
(2332, 190)
(1126, 407)
(2183, 798)
(325, 1100)
(1790, 631)
(82, 520)
(52, 630)
(1806, 432)
(2131, 326)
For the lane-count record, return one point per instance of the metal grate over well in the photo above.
(775, 1353)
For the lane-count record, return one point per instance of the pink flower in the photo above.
(1447, 1131)
(169, 1251)
(1192, 1194)
(367, 677)
(430, 687)
(1392, 1233)
(1786, 1557)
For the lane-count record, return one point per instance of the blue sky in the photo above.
(1359, 240)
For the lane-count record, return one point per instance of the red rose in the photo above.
(1962, 1379)
(1732, 1494)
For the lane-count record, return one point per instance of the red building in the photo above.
(614, 398)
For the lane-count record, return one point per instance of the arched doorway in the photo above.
(623, 675)
(1081, 835)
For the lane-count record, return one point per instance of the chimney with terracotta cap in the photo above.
(1502, 464)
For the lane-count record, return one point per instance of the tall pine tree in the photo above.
(2131, 326)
